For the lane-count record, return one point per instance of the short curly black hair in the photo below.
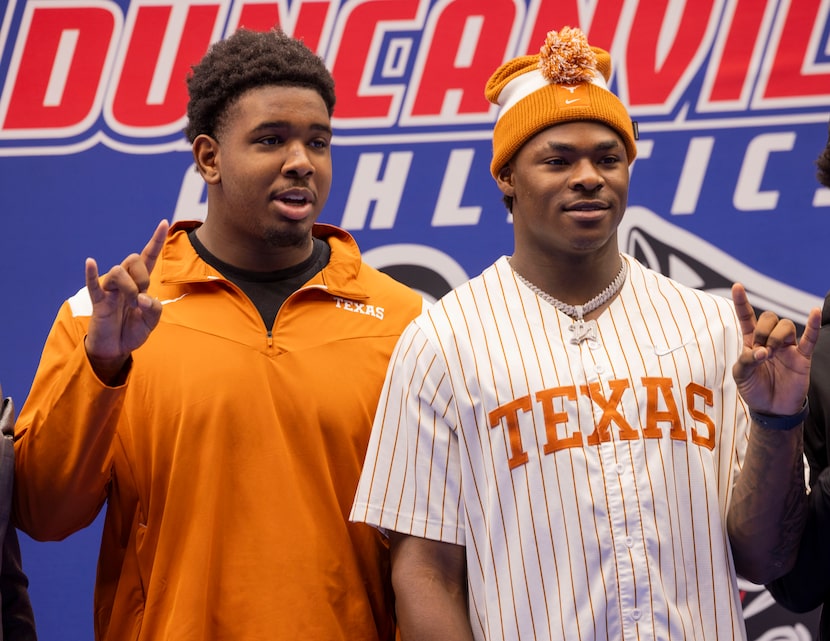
(823, 163)
(246, 60)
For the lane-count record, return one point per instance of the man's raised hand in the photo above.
(123, 314)
(772, 372)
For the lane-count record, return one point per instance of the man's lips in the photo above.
(587, 211)
(294, 203)
(587, 206)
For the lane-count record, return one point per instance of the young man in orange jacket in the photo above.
(216, 391)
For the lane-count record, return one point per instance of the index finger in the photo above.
(745, 312)
(92, 284)
(152, 249)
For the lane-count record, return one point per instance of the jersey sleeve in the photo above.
(411, 480)
(64, 435)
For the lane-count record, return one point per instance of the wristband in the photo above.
(780, 422)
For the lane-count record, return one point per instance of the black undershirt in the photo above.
(268, 290)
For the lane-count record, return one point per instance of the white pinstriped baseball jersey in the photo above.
(589, 483)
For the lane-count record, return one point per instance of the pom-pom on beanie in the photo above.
(566, 81)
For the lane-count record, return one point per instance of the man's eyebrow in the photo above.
(285, 124)
(605, 145)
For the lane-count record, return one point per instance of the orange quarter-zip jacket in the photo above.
(229, 459)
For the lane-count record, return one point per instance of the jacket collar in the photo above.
(179, 262)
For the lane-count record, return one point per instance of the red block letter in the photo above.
(354, 56)
(61, 53)
(788, 78)
(305, 20)
(657, 73)
(462, 46)
(151, 92)
(732, 79)
(552, 15)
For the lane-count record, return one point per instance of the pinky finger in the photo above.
(809, 337)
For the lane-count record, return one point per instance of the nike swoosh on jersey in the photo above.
(663, 351)
(167, 301)
(572, 100)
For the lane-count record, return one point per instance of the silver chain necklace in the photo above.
(581, 329)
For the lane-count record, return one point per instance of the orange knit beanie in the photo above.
(566, 81)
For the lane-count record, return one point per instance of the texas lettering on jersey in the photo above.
(656, 389)
(358, 308)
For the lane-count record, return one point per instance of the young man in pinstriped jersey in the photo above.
(572, 446)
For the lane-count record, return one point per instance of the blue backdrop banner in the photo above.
(732, 99)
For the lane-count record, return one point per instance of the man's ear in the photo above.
(504, 179)
(206, 155)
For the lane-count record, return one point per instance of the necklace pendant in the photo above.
(583, 331)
